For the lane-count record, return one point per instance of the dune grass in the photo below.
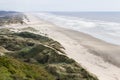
(12, 69)
(33, 57)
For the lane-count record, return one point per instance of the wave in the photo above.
(107, 31)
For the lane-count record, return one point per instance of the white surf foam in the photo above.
(107, 31)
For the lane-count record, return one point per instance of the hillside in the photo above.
(5, 13)
(29, 56)
(11, 17)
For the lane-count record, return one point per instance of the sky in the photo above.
(60, 5)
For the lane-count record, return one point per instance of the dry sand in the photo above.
(97, 56)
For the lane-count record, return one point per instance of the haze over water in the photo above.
(102, 25)
(102, 16)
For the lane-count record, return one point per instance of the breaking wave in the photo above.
(107, 31)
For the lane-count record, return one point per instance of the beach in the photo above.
(96, 56)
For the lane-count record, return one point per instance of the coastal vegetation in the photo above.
(29, 56)
(7, 18)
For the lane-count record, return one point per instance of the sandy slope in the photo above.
(98, 57)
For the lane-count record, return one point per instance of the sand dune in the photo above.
(97, 56)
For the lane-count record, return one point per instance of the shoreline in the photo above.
(84, 49)
(96, 29)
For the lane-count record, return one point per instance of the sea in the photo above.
(101, 25)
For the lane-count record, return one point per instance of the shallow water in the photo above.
(102, 28)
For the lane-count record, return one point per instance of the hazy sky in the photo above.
(60, 5)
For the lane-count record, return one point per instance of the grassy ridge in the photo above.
(7, 18)
(12, 69)
(35, 57)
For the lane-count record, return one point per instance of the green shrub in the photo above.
(35, 56)
(12, 69)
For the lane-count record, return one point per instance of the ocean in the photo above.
(102, 25)
(102, 16)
